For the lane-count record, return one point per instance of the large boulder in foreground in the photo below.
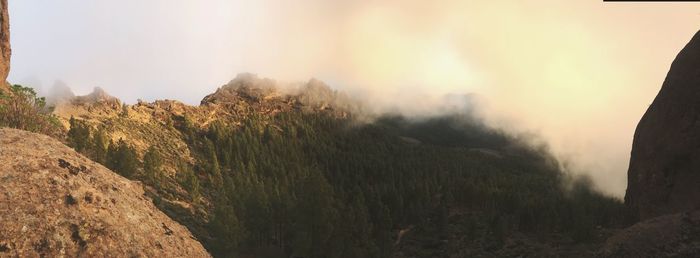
(664, 171)
(56, 203)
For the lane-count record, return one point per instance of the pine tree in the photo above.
(226, 228)
(122, 159)
(111, 161)
(316, 214)
(99, 147)
(212, 163)
(78, 135)
(189, 180)
(152, 162)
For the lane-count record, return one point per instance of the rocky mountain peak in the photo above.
(98, 95)
(664, 171)
(246, 87)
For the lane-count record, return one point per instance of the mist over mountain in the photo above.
(573, 72)
(375, 129)
(257, 153)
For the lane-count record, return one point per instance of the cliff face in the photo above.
(664, 171)
(5, 50)
(55, 203)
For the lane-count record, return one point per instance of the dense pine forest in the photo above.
(313, 185)
(310, 184)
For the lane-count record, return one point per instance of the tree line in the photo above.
(313, 185)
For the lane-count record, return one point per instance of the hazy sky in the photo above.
(579, 73)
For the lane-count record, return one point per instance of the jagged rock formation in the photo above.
(160, 123)
(96, 104)
(145, 124)
(57, 203)
(98, 96)
(153, 124)
(664, 171)
(268, 96)
(5, 51)
(244, 87)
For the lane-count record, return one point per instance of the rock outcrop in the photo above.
(5, 50)
(663, 189)
(97, 96)
(664, 171)
(269, 96)
(675, 235)
(245, 87)
(57, 203)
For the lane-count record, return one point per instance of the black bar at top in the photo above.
(661, 1)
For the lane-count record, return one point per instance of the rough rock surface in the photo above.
(245, 86)
(664, 171)
(676, 235)
(5, 50)
(57, 203)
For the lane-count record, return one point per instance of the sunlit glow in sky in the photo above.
(579, 73)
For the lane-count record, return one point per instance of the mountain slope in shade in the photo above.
(54, 203)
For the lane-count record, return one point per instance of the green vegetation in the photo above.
(79, 135)
(119, 156)
(315, 186)
(122, 159)
(190, 181)
(312, 185)
(152, 163)
(22, 109)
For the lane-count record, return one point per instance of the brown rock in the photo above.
(675, 235)
(664, 171)
(245, 87)
(5, 50)
(56, 203)
(97, 96)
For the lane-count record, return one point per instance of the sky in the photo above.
(579, 74)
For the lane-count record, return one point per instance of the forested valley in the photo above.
(312, 185)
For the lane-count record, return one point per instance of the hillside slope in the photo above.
(55, 202)
(263, 171)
